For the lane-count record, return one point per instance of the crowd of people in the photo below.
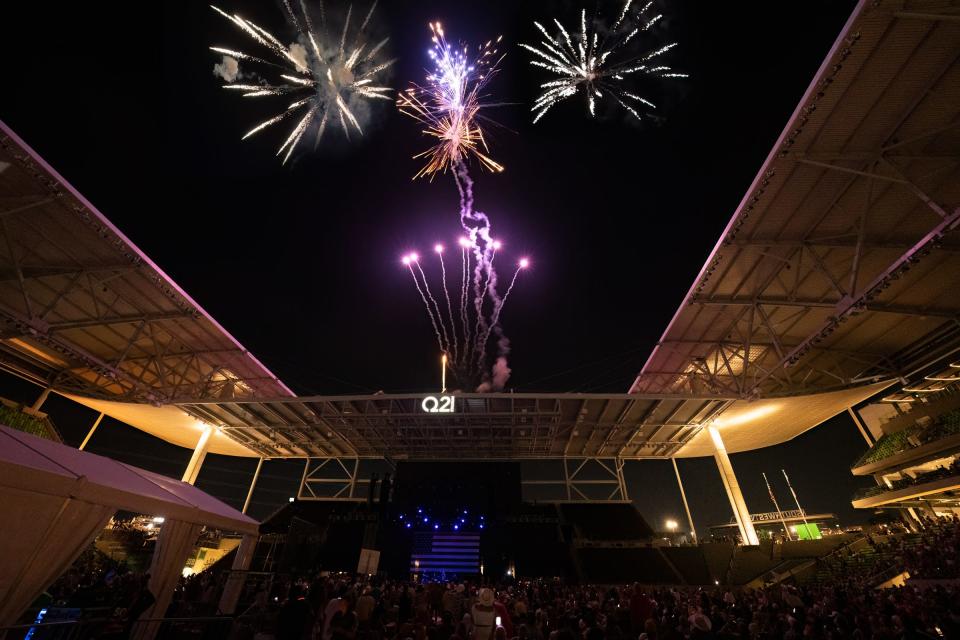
(355, 608)
(349, 607)
(933, 555)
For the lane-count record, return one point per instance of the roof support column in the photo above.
(860, 427)
(199, 453)
(96, 423)
(740, 512)
(686, 506)
(41, 399)
(253, 484)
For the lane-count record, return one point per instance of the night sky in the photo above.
(300, 262)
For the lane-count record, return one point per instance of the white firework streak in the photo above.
(446, 294)
(464, 317)
(436, 307)
(436, 329)
(495, 318)
(597, 65)
(325, 84)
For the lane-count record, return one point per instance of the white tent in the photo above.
(57, 499)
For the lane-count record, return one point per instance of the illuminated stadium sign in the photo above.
(437, 404)
(774, 516)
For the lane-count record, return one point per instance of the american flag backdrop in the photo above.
(445, 551)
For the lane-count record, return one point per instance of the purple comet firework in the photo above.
(463, 335)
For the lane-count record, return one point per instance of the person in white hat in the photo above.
(484, 615)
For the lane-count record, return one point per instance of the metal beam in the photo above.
(114, 320)
(853, 302)
(819, 303)
(932, 17)
(21, 207)
(841, 168)
(34, 272)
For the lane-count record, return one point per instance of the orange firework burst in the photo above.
(449, 106)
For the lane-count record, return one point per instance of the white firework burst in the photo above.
(599, 65)
(326, 78)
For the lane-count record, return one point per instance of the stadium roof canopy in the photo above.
(836, 276)
(82, 308)
(840, 266)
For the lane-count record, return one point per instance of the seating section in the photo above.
(35, 423)
(914, 436)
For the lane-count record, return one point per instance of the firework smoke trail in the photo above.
(464, 281)
(598, 64)
(321, 82)
(443, 326)
(489, 288)
(478, 295)
(446, 294)
(407, 260)
(497, 309)
(524, 263)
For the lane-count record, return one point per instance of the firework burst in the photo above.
(599, 61)
(327, 78)
(449, 105)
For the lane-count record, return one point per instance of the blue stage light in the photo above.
(426, 520)
(436, 526)
(456, 527)
(481, 525)
(409, 525)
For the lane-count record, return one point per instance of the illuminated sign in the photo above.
(437, 404)
(774, 516)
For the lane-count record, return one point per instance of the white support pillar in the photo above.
(199, 453)
(253, 484)
(860, 426)
(96, 423)
(40, 400)
(686, 506)
(740, 512)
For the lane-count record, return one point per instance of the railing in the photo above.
(906, 483)
(868, 492)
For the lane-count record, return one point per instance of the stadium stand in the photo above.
(606, 521)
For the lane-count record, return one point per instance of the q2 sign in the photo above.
(437, 404)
